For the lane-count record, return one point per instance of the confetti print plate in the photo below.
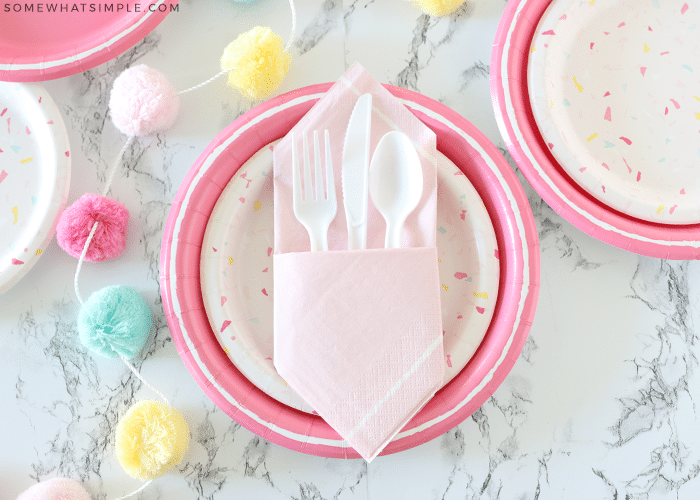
(41, 41)
(34, 176)
(198, 345)
(512, 49)
(616, 98)
(236, 271)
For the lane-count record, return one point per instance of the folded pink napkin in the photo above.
(359, 337)
(358, 334)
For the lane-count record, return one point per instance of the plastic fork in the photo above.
(313, 209)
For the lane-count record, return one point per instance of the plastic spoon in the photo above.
(395, 183)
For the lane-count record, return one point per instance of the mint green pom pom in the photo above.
(115, 321)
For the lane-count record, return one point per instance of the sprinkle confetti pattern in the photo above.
(24, 202)
(631, 54)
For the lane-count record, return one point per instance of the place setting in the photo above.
(254, 274)
(599, 106)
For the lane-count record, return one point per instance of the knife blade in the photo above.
(355, 172)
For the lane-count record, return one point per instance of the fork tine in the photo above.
(318, 168)
(296, 178)
(330, 181)
(308, 195)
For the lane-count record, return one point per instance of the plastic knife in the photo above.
(355, 172)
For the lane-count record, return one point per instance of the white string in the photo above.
(204, 83)
(135, 492)
(108, 184)
(117, 162)
(126, 362)
(80, 261)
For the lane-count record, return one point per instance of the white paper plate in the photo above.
(615, 91)
(34, 176)
(237, 281)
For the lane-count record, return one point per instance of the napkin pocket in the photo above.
(354, 331)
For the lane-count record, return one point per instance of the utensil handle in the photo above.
(393, 235)
(319, 241)
(357, 237)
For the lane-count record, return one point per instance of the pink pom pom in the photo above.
(143, 101)
(56, 489)
(76, 222)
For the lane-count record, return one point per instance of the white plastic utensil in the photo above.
(395, 183)
(313, 209)
(355, 172)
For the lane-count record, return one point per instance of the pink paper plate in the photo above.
(509, 87)
(197, 344)
(45, 40)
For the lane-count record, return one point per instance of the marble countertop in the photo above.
(602, 403)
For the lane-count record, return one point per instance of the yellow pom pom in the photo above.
(258, 63)
(151, 439)
(439, 7)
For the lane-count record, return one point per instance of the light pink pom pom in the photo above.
(76, 222)
(58, 488)
(143, 102)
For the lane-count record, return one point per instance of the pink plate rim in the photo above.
(509, 61)
(87, 53)
(518, 246)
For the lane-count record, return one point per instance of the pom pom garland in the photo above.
(115, 321)
(76, 222)
(58, 488)
(143, 102)
(439, 7)
(257, 63)
(151, 439)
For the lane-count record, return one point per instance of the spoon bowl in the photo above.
(395, 183)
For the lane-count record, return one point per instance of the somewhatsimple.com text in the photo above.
(50, 7)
